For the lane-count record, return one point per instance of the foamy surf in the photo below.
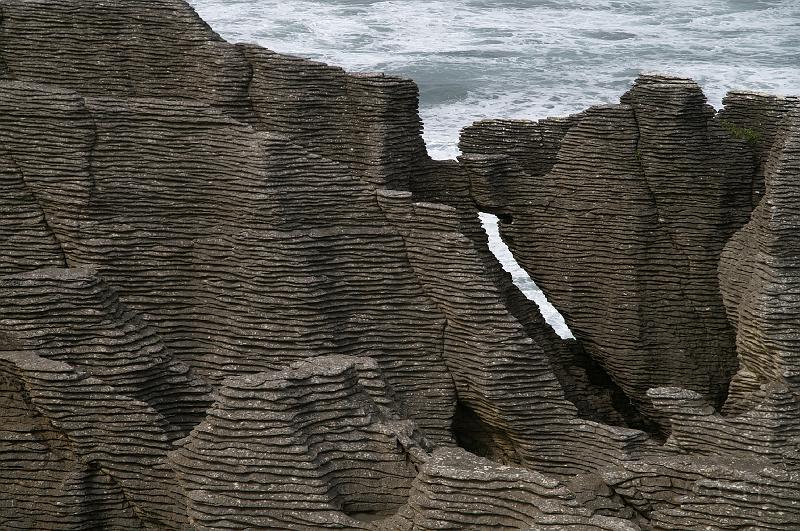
(527, 58)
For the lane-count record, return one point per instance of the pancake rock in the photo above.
(716, 470)
(235, 292)
(620, 215)
(300, 448)
(91, 391)
(457, 490)
(759, 278)
(217, 252)
(757, 119)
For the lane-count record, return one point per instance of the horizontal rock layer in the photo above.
(235, 292)
(298, 448)
(620, 214)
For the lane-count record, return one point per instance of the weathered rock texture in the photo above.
(759, 274)
(457, 490)
(621, 222)
(235, 292)
(298, 448)
(634, 220)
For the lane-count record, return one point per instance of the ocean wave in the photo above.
(476, 59)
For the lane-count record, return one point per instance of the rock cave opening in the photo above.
(474, 436)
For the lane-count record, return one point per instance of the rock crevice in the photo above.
(235, 292)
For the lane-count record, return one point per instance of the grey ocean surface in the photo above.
(475, 59)
(478, 59)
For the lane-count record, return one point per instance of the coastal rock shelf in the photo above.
(236, 293)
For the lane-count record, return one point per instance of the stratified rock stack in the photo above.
(27, 241)
(457, 490)
(44, 483)
(759, 276)
(491, 372)
(620, 214)
(102, 401)
(300, 448)
(367, 122)
(757, 119)
(235, 292)
(229, 241)
(84, 325)
(132, 49)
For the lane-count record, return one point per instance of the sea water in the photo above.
(475, 59)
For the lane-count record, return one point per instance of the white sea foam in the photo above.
(477, 59)
(521, 278)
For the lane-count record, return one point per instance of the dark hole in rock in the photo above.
(378, 505)
(600, 379)
(473, 435)
(504, 218)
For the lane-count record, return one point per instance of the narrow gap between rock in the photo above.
(521, 278)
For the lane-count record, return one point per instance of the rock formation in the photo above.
(622, 225)
(235, 292)
(758, 275)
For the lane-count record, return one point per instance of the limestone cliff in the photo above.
(235, 292)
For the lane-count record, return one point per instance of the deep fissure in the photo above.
(520, 277)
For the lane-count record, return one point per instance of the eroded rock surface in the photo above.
(235, 292)
(620, 214)
(300, 448)
(759, 279)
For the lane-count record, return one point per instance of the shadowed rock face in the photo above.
(757, 119)
(235, 292)
(758, 275)
(621, 222)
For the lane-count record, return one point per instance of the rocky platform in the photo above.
(235, 292)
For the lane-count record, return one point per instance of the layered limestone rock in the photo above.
(236, 245)
(244, 247)
(133, 49)
(583, 381)
(367, 122)
(719, 472)
(94, 397)
(757, 118)
(71, 316)
(235, 292)
(43, 481)
(620, 214)
(492, 373)
(716, 471)
(759, 276)
(669, 184)
(457, 490)
(311, 446)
